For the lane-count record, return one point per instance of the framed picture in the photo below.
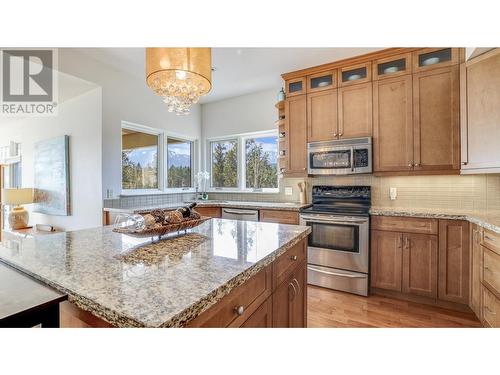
(52, 180)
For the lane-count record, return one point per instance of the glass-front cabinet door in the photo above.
(431, 58)
(295, 86)
(392, 66)
(322, 81)
(355, 74)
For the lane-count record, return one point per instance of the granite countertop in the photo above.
(488, 220)
(284, 206)
(132, 282)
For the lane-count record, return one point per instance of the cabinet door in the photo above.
(420, 264)
(355, 111)
(481, 141)
(431, 58)
(476, 267)
(322, 116)
(295, 128)
(289, 300)
(436, 119)
(386, 248)
(295, 86)
(262, 317)
(392, 124)
(454, 261)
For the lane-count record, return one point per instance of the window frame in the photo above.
(162, 160)
(241, 167)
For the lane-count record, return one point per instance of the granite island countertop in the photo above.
(488, 220)
(132, 282)
(283, 206)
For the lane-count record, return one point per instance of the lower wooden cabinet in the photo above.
(420, 264)
(279, 216)
(454, 261)
(476, 270)
(386, 260)
(421, 257)
(491, 309)
(274, 297)
(289, 300)
(215, 212)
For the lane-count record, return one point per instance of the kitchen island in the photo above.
(221, 273)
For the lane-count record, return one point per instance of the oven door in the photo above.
(338, 241)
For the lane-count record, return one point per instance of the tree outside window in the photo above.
(179, 163)
(224, 164)
(139, 160)
(261, 162)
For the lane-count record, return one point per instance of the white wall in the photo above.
(242, 114)
(125, 97)
(79, 117)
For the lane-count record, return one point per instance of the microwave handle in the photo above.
(352, 159)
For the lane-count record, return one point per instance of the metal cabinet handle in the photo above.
(489, 310)
(410, 165)
(464, 163)
(488, 238)
(334, 134)
(337, 273)
(294, 291)
(293, 257)
(341, 134)
(298, 286)
(400, 242)
(239, 310)
(417, 165)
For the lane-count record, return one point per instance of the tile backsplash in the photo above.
(471, 192)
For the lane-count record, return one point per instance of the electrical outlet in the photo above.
(288, 190)
(393, 193)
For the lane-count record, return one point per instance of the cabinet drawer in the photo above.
(405, 224)
(249, 296)
(491, 309)
(209, 211)
(491, 270)
(287, 262)
(491, 240)
(280, 217)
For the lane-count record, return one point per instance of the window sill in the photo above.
(235, 191)
(133, 193)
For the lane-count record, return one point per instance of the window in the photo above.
(179, 163)
(246, 163)
(139, 160)
(261, 162)
(224, 155)
(153, 161)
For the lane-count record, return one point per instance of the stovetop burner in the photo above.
(341, 200)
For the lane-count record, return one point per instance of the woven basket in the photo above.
(163, 230)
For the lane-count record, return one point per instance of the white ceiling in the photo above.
(238, 71)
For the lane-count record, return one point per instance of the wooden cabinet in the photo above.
(262, 317)
(296, 86)
(420, 264)
(386, 260)
(214, 212)
(322, 81)
(481, 114)
(426, 59)
(491, 309)
(393, 66)
(436, 127)
(454, 261)
(295, 128)
(289, 300)
(393, 124)
(322, 116)
(476, 270)
(274, 297)
(355, 74)
(355, 111)
(280, 217)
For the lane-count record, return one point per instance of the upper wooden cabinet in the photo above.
(480, 90)
(296, 86)
(296, 135)
(393, 66)
(436, 123)
(432, 58)
(393, 124)
(355, 74)
(355, 111)
(322, 81)
(322, 116)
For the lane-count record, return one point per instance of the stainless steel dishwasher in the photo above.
(240, 214)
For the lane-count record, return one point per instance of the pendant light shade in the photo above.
(180, 75)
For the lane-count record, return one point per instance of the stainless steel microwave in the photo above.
(340, 157)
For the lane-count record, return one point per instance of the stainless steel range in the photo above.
(339, 245)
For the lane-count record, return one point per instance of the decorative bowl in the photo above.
(430, 61)
(391, 69)
(354, 77)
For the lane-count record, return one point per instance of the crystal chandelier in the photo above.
(180, 75)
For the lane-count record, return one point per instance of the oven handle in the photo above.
(329, 221)
(336, 273)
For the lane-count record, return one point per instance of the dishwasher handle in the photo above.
(238, 212)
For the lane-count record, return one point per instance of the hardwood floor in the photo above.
(328, 308)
